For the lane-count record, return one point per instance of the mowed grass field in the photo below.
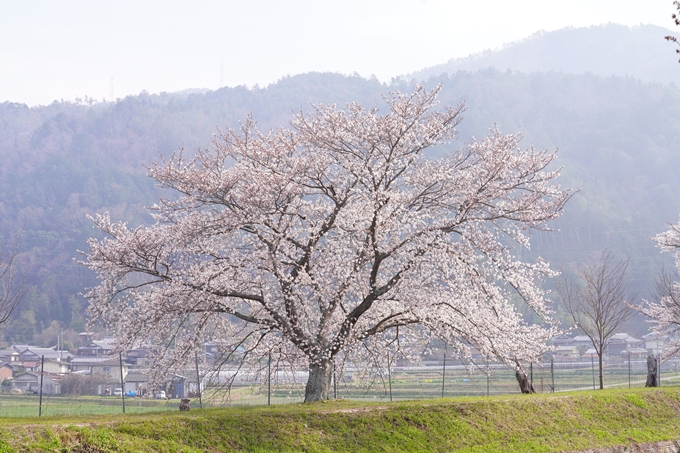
(29, 405)
(511, 423)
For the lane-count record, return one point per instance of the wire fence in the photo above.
(437, 380)
(432, 380)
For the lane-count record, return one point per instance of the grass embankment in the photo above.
(504, 424)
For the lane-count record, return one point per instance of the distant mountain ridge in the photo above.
(640, 52)
(618, 138)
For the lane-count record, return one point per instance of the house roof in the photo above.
(135, 377)
(26, 376)
(96, 361)
(47, 352)
(582, 338)
(566, 348)
(623, 337)
(22, 347)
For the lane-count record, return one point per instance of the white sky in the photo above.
(62, 49)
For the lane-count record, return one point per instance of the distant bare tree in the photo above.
(11, 282)
(599, 301)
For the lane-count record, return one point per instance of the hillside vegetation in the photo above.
(617, 137)
(540, 423)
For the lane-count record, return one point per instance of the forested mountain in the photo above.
(618, 140)
(639, 52)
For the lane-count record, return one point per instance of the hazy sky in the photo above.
(62, 49)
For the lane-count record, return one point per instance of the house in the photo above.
(620, 342)
(566, 353)
(97, 348)
(35, 354)
(590, 354)
(582, 341)
(30, 382)
(6, 371)
(49, 366)
(562, 340)
(654, 342)
(136, 381)
(105, 348)
(99, 365)
(133, 355)
(10, 356)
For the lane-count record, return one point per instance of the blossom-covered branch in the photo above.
(332, 232)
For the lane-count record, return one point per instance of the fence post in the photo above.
(198, 383)
(335, 383)
(552, 375)
(443, 375)
(42, 373)
(488, 379)
(122, 382)
(658, 368)
(629, 370)
(531, 373)
(269, 380)
(389, 377)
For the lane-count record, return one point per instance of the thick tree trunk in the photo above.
(525, 384)
(652, 372)
(319, 383)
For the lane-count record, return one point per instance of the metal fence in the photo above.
(442, 379)
(432, 380)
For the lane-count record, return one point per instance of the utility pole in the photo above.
(122, 382)
(42, 374)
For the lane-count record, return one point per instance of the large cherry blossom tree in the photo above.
(333, 237)
(665, 309)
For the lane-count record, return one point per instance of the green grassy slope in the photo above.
(504, 424)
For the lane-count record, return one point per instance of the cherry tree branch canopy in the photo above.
(318, 240)
(665, 309)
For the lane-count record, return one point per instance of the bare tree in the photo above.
(599, 301)
(11, 282)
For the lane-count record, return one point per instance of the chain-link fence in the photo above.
(430, 380)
